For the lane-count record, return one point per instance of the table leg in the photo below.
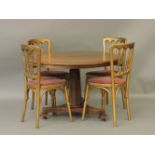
(75, 88)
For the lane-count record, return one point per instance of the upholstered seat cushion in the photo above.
(47, 81)
(99, 73)
(53, 73)
(105, 80)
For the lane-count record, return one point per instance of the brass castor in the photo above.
(102, 116)
(44, 117)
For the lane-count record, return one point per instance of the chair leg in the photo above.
(85, 86)
(128, 105)
(46, 98)
(104, 97)
(67, 80)
(123, 97)
(85, 102)
(28, 90)
(68, 104)
(113, 96)
(46, 93)
(33, 100)
(38, 109)
(25, 104)
(53, 103)
(104, 100)
(107, 97)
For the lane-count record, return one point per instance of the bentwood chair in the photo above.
(119, 78)
(38, 84)
(107, 42)
(46, 46)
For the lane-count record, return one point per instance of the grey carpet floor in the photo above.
(143, 119)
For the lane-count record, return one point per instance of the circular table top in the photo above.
(74, 60)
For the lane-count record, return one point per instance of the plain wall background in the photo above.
(76, 35)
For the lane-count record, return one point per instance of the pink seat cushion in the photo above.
(53, 73)
(100, 73)
(105, 80)
(48, 81)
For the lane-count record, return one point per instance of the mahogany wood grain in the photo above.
(75, 88)
(75, 60)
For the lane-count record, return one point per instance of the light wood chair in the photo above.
(46, 46)
(38, 84)
(119, 78)
(107, 42)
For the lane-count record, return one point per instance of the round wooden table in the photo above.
(74, 61)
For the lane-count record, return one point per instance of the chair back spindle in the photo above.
(107, 42)
(44, 44)
(123, 53)
(32, 62)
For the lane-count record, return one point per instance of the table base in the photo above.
(75, 110)
(76, 99)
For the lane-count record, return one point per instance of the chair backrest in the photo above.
(44, 43)
(108, 41)
(123, 53)
(32, 62)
